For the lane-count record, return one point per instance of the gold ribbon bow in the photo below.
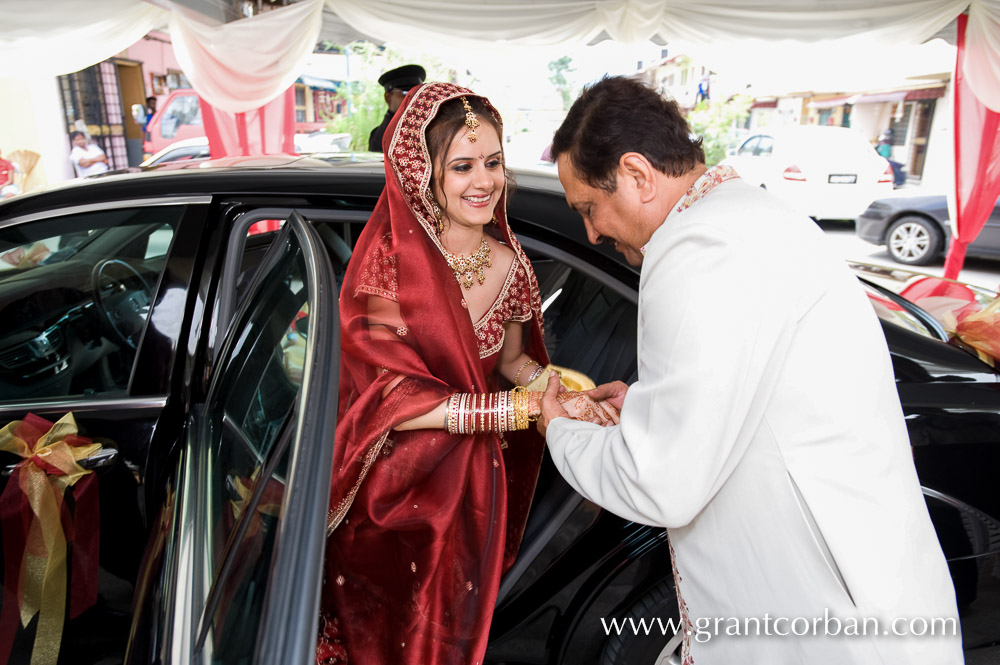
(48, 469)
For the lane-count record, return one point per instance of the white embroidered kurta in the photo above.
(765, 433)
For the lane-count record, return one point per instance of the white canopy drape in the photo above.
(262, 55)
(52, 38)
(240, 65)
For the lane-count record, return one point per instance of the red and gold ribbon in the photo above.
(37, 526)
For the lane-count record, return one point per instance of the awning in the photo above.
(768, 104)
(925, 93)
(317, 82)
(830, 103)
(877, 97)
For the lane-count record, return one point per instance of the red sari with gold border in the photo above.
(422, 523)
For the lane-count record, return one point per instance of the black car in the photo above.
(200, 345)
(917, 229)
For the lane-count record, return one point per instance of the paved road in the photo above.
(981, 272)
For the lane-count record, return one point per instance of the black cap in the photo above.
(402, 78)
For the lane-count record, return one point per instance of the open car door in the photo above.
(240, 570)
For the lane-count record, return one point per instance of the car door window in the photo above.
(183, 110)
(589, 326)
(764, 146)
(245, 424)
(749, 146)
(251, 419)
(75, 294)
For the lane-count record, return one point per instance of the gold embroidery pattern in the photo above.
(378, 274)
(682, 607)
(335, 515)
(708, 181)
(512, 304)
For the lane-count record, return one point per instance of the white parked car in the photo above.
(197, 147)
(824, 172)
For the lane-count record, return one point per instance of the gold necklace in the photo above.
(473, 266)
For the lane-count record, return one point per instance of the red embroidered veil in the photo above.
(422, 523)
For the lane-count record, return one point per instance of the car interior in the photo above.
(74, 296)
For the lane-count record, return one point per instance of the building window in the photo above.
(176, 79)
(900, 126)
(325, 104)
(91, 97)
(300, 103)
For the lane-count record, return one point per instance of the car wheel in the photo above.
(660, 645)
(914, 241)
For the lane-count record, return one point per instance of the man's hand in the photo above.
(549, 404)
(613, 393)
(556, 402)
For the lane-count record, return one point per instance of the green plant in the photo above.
(559, 69)
(716, 123)
(365, 98)
(365, 110)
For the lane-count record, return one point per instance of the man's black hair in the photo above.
(618, 115)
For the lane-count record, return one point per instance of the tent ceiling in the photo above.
(266, 49)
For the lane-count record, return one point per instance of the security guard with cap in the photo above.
(396, 83)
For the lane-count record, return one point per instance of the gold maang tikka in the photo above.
(471, 121)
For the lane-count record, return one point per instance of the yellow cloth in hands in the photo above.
(572, 379)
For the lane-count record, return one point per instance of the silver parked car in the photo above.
(917, 229)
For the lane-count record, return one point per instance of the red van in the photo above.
(179, 118)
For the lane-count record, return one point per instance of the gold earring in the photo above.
(437, 216)
(495, 220)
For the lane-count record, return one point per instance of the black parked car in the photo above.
(917, 229)
(205, 353)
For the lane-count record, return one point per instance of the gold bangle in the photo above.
(519, 397)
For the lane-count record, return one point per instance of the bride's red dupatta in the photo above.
(422, 523)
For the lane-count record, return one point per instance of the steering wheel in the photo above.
(122, 297)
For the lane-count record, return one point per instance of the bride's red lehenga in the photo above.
(422, 523)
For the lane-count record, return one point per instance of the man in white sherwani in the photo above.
(764, 431)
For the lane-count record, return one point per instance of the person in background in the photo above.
(884, 149)
(397, 82)
(87, 158)
(785, 492)
(150, 112)
(884, 146)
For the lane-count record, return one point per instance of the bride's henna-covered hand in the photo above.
(580, 406)
(554, 403)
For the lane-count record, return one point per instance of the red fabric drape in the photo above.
(424, 521)
(267, 130)
(977, 162)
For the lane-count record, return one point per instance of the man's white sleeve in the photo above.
(714, 325)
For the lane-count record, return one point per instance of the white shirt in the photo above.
(765, 433)
(92, 151)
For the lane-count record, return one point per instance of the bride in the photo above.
(442, 366)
